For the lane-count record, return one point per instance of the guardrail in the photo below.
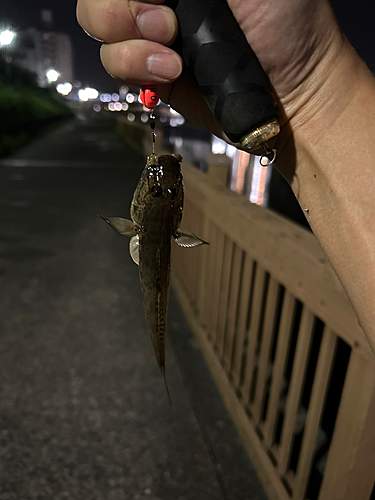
(282, 342)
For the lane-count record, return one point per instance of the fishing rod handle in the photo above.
(228, 73)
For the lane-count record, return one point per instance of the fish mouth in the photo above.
(152, 159)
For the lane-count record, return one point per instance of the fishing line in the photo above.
(150, 97)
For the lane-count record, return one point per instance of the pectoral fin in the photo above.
(122, 226)
(134, 249)
(187, 239)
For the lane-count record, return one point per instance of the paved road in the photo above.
(83, 410)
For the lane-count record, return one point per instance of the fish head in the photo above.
(164, 177)
(160, 188)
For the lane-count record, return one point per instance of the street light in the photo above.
(6, 37)
(91, 93)
(64, 88)
(52, 75)
(6, 40)
(87, 94)
(82, 96)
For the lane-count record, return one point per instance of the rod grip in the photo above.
(227, 71)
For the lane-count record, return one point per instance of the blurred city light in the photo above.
(82, 96)
(52, 75)
(91, 93)
(131, 117)
(178, 142)
(230, 150)
(125, 106)
(240, 164)
(258, 183)
(6, 37)
(177, 121)
(97, 108)
(64, 88)
(87, 93)
(124, 89)
(115, 97)
(105, 97)
(218, 146)
(130, 98)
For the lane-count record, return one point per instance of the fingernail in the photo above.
(165, 66)
(155, 24)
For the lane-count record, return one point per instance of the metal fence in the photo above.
(282, 342)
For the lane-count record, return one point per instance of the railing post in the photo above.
(218, 170)
(350, 470)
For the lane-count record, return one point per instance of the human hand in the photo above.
(294, 40)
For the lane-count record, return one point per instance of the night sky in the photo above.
(356, 19)
(87, 66)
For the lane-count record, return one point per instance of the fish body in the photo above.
(156, 212)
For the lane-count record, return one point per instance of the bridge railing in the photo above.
(282, 342)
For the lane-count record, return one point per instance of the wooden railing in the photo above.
(283, 344)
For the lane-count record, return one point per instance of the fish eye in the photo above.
(172, 192)
(156, 190)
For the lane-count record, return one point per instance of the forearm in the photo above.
(332, 173)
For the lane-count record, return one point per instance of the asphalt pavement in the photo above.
(83, 409)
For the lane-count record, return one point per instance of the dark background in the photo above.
(355, 17)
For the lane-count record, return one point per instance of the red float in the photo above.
(149, 96)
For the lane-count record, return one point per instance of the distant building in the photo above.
(45, 50)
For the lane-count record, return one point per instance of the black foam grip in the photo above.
(226, 69)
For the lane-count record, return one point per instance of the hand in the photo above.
(290, 38)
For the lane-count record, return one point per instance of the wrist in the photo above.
(326, 154)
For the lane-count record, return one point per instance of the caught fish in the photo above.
(156, 212)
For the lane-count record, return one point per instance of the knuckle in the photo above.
(115, 58)
(101, 19)
(110, 17)
(124, 54)
(125, 61)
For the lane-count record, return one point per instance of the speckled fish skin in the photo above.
(156, 210)
(156, 213)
